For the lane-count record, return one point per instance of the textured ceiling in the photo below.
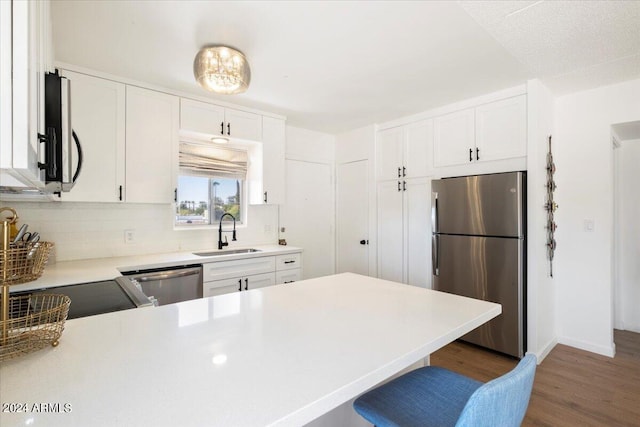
(337, 65)
(569, 45)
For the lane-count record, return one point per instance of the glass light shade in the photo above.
(222, 69)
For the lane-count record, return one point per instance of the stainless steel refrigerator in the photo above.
(479, 251)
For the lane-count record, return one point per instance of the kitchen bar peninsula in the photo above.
(282, 355)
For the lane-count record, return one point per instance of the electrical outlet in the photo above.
(129, 236)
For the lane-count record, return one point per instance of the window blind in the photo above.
(212, 160)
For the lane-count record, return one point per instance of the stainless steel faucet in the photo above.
(222, 244)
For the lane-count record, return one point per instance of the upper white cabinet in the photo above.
(152, 122)
(404, 152)
(98, 111)
(454, 138)
(211, 119)
(501, 129)
(25, 50)
(273, 147)
(493, 131)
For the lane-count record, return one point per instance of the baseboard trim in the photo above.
(545, 350)
(609, 351)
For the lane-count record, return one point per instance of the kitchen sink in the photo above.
(227, 252)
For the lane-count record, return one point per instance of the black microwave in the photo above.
(59, 138)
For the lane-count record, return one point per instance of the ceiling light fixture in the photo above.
(222, 69)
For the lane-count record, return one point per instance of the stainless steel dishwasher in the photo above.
(169, 285)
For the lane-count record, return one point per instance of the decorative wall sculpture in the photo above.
(550, 206)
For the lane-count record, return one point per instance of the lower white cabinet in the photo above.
(238, 275)
(236, 284)
(288, 276)
(404, 231)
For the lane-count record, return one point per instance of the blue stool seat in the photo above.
(433, 396)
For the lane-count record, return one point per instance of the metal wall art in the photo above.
(550, 206)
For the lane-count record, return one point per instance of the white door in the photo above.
(152, 145)
(100, 126)
(501, 129)
(390, 231)
(352, 219)
(453, 137)
(417, 232)
(308, 215)
(389, 144)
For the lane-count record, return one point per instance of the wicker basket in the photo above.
(23, 263)
(35, 322)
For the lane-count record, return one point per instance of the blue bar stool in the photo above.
(433, 396)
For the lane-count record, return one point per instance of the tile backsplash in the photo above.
(97, 230)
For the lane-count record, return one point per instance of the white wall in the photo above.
(96, 230)
(541, 294)
(629, 235)
(317, 150)
(584, 159)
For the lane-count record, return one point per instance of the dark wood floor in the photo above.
(571, 388)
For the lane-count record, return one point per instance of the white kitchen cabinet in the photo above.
(224, 277)
(404, 151)
(404, 231)
(237, 284)
(501, 129)
(152, 121)
(288, 276)
(211, 119)
(273, 164)
(454, 138)
(100, 126)
(489, 132)
(25, 50)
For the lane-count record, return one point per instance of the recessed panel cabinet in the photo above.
(493, 131)
(152, 121)
(405, 151)
(101, 129)
(404, 231)
(211, 119)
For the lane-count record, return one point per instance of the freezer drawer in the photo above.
(490, 269)
(486, 205)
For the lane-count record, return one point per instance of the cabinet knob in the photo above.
(221, 128)
(470, 155)
(229, 129)
(246, 284)
(240, 283)
(364, 242)
(399, 172)
(477, 153)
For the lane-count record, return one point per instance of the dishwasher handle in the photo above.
(165, 275)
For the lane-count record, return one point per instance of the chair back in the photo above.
(503, 401)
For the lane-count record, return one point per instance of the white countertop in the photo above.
(93, 270)
(288, 353)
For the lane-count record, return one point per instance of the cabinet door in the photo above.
(237, 268)
(501, 129)
(418, 149)
(6, 100)
(100, 126)
(29, 24)
(242, 125)
(258, 281)
(221, 287)
(288, 262)
(288, 276)
(390, 231)
(417, 232)
(389, 154)
(453, 137)
(201, 117)
(151, 146)
(273, 146)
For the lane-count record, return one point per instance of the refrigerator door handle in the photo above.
(435, 258)
(434, 212)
